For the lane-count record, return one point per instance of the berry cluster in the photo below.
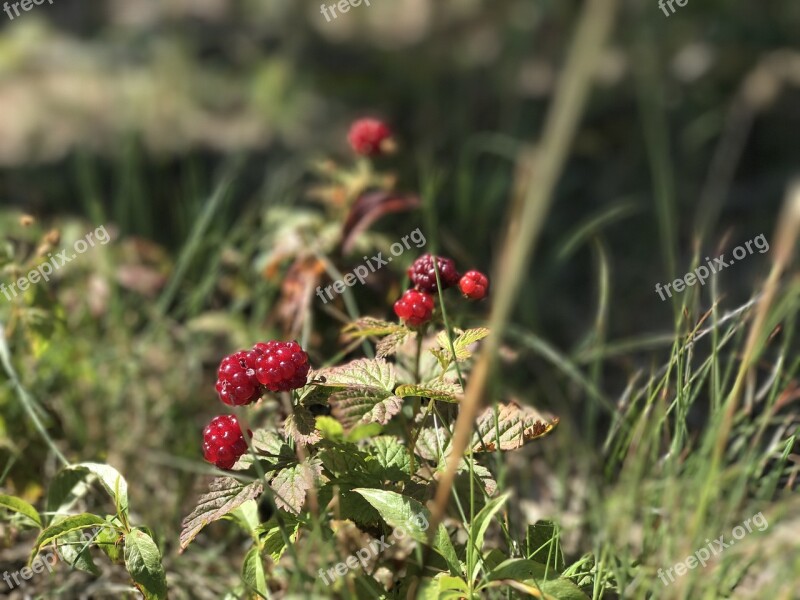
(415, 306)
(242, 378)
(370, 137)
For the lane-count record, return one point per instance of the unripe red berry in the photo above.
(370, 137)
(281, 366)
(474, 285)
(223, 441)
(423, 276)
(414, 307)
(236, 379)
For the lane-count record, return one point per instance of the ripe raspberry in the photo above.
(423, 275)
(370, 137)
(415, 308)
(223, 441)
(281, 366)
(236, 379)
(474, 285)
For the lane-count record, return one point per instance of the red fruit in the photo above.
(370, 137)
(415, 308)
(281, 366)
(423, 275)
(474, 285)
(223, 441)
(236, 379)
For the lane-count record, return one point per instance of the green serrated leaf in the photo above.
(302, 426)
(291, 485)
(364, 372)
(253, 573)
(404, 512)
(461, 343)
(361, 405)
(330, 428)
(19, 506)
(342, 459)
(370, 327)
(435, 390)
(226, 495)
(143, 561)
(272, 542)
(391, 457)
(389, 345)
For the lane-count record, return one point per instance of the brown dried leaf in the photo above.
(226, 495)
(511, 427)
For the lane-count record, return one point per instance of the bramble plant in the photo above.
(363, 442)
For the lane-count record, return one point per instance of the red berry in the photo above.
(281, 366)
(370, 137)
(474, 285)
(415, 308)
(423, 275)
(236, 379)
(223, 441)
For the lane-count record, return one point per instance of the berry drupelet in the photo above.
(474, 285)
(370, 137)
(223, 441)
(281, 366)
(423, 276)
(414, 307)
(236, 379)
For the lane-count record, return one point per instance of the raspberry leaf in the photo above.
(461, 344)
(509, 426)
(291, 485)
(364, 404)
(435, 390)
(302, 426)
(253, 572)
(371, 327)
(143, 561)
(401, 511)
(392, 460)
(363, 372)
(226, 495)
(272, 541)
(389, 345)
